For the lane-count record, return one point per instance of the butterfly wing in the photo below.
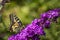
(15, 23)
(11, 21)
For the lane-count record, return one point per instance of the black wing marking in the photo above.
(18, 20)
(12, 18)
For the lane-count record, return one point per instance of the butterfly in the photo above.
(15, 23)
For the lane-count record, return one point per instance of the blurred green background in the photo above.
(28, 10)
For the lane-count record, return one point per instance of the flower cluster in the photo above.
(50, 16)
(31, 30)
(37, 26)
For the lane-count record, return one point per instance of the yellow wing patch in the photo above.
(15, 23)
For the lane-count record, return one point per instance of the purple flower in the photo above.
(30, 30)
(51, 15)
(44, 16)
(35, 37)
(47, 24)
(12, 37)
(37, 26)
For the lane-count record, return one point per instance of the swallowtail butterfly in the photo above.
(15, 23)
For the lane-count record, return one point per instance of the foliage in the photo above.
(27, 10)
